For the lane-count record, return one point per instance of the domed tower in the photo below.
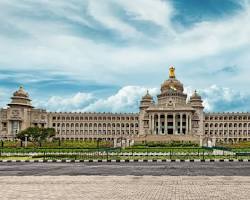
(198, 116)
(196, 101)
(172, 90)
(20, 98)
(146, 101)
(18, 113)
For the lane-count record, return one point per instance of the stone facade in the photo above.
(173, 116)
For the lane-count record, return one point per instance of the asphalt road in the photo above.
(124, 169)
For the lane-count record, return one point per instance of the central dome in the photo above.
(172, 84)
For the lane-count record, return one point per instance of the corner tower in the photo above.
(20, 98)
(198, 117)
(19, 112)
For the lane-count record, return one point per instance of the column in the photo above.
(174, 125)
(166, 124)
(153, 124)
(186, 130)
(181, 124)
(159, 123)
(150, 123)
(190, 125)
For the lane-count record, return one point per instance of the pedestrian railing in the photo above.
(107, 154)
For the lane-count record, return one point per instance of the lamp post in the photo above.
(1, 140)
(26, 140)
(98, 145)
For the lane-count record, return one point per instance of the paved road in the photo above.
(124, 169)
(124, 188)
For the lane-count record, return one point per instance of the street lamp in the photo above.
(98, 144)
(26, 140)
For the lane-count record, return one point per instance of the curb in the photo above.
(122, 161)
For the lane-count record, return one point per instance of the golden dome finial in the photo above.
(171, 72)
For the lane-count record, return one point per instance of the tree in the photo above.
(36, 134)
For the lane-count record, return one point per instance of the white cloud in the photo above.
(126, 99)
(51, 44)
(156, 11)
(71, 103)
(221, 99)
(102, 12)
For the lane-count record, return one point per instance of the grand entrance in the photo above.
(170, 123)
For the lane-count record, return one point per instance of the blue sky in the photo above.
(102, 55)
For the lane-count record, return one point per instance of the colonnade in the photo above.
(170, 123)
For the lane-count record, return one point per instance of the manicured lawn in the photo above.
(167, 149)
(16, 158)
(238, 145)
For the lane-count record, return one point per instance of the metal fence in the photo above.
(119, 154)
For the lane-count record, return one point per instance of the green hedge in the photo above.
(166, 144)
(60, 144)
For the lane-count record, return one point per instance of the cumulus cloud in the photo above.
(71, 103)
(127, 99)
(220, 99)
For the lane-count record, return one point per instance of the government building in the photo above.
(173, 117)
